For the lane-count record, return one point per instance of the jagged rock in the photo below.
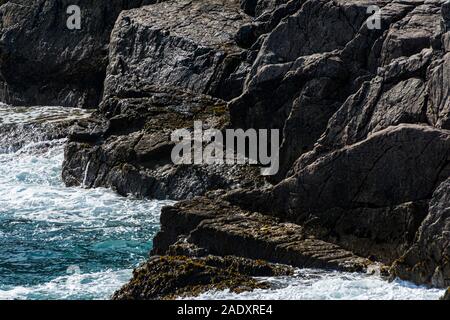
(128, 147)
(439, 94)
(374, 107)
(168, 277)
(45, 63)
(356, 191)
(428, 260)
(249, 33)
(258, 7)
(150, 46)
(223, 229)
(158, 72)
(416, 31)
(298, 82)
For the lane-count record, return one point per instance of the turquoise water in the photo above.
(313, 284)
(65, 243)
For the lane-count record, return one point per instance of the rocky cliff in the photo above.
(43, 62)
(364, 113)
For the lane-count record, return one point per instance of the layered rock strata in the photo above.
(363, 107)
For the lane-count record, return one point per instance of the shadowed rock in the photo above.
(428, 260)
(42, 62)
(222, 229)
(169, 277)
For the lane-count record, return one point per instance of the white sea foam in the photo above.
(98, 286)
(47, 228)
(310, 284)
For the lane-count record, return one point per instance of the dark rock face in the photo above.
(42, 62)
(128, 147)
(298, 81)
(258, 7)
(357, 179)
(364, 116)
(168, 277)
(366, 190)
(219, 228)
(428, 260)
(150, 46)
(158, 74)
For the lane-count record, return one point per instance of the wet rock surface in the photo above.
(363, 114)
(169, 277)
(183, 44)
(128, 147)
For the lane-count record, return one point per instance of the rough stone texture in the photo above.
(365, 190)
(158, 72)
(439, 94)
(168, 277)
(42, 62)
(149, 45)
(428, 260)
(251, 35)
(127, 147)
(298, 82)
(258, 7)
(222, 229)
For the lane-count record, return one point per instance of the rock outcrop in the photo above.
(196, 233)
(162, 76)
(151, 46)
(362, 102)
(219, 228)
(428, 260)
(169, 277)
(43, 62)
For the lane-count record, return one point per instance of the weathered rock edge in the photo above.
(364, 114)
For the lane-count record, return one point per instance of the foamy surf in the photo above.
(64, 243)
(310, 284)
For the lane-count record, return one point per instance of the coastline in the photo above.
(364, 116)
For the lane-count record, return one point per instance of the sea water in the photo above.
(58, 242)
